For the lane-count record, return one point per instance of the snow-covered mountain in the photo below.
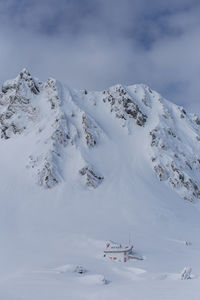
(81, 167)
(61, 119)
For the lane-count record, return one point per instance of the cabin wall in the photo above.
(116, 256)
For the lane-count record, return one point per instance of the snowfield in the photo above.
(79, 168)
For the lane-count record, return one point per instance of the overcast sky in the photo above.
(97, 43)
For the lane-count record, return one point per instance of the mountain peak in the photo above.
(66, 120)
(24, 71)
(23, 80)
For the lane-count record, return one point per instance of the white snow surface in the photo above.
(79, 168)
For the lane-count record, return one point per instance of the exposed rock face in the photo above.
(47, 176)
(90, 131)
(123, 106)
(16, 108)
(175, 162)
(23, 80)
(51, 93)
(92, 179)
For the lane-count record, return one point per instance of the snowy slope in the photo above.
(79, 168)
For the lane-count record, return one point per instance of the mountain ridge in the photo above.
(61, 117)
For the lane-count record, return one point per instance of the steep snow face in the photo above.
(175, 150)
(62, 120)
(44, 111)
(175, 135)
(62, 124)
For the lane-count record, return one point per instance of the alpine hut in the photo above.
(117, 252)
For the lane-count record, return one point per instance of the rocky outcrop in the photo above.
(47, 175)
(91, 178)
(91, 131)
(22, 82)
(16, 109)
(174, 164)
(123, 105)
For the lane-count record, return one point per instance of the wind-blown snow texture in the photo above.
(81, 167)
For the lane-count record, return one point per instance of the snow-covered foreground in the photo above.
(47, 232)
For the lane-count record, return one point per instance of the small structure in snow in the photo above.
(117, 252)
(186, 273)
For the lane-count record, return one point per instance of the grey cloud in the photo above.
(94, 44)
